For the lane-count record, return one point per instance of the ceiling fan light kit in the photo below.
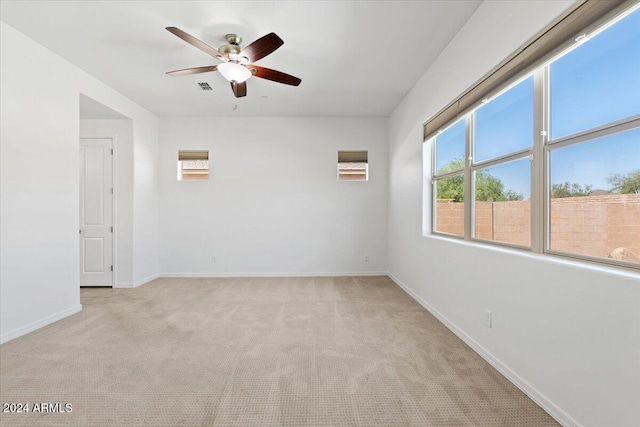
(236, 64)
(234, 72)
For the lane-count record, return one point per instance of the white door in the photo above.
(96, 212)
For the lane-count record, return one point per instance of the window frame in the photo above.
(539, 154)
(434, 203)
(500, 160)
(435, 177)
(626, 124)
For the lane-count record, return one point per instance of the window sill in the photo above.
(594, 266)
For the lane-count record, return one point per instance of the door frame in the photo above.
(114, 181)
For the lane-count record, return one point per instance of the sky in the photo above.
(596, 83)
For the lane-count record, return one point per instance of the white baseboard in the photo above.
(137, 283)
(145, 280)
(542, 401)
(39, 324)
(123, 285)
(288, 274)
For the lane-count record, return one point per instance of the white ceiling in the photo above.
(355, 58)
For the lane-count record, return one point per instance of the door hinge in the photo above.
(112, 151)
(112, 268)
(112, 229)
(111, 190)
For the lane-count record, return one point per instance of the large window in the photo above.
(552, 163)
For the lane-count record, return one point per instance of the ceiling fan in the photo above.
(237, 64)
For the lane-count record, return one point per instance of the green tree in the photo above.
(511, 195)
(488, 187)
(628, 183)
(452, 188)
(567, 189)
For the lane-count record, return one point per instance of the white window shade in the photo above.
(583, 18)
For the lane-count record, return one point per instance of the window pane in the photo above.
(450, 205)
(598, 82)
(595, 197)
(502, 203)
(193, 165)
(193, 170)
(505, 124)
(353, 171)
(450, 149)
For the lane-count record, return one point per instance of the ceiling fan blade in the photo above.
(239, 89)
(262, 47)
(276, 76)
(195, 70)
(197, 43)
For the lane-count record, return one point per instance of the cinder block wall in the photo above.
(590, 225)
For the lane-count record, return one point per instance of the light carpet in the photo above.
(312, 351)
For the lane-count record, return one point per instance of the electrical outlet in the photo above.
(366, 257)
(213, 259)
(488, 319)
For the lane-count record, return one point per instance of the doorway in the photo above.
(96, 212)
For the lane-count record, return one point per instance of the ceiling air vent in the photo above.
(203, 85)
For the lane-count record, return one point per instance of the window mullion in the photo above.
(598, 132)
(468, 175)
(543, 142)
(502, 159)
(434, 196)
(448, 175)
(540, 132)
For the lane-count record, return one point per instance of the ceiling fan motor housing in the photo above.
(232, 47)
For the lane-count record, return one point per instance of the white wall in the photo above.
(566, 332)
(272, 204)
(145, 199)
(122, 133)
(39, 183)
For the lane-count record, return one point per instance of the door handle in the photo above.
(81, 231)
